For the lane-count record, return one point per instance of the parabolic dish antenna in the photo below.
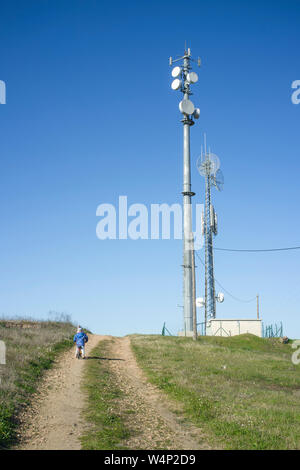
(176, 84)
(192, 77)
(208, 165)
(196, 113)
(176, 72)
(218, 180)
(220, 297)
(200, 302)
(186, 107)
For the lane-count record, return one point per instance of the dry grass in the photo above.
(30, 349)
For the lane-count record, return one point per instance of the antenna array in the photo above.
(183, 79)
(209, 167)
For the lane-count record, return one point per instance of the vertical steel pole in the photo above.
(188, 237)
(194, 297)
(187, 213)
(206, 250)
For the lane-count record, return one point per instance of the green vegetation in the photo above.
(31, 347)
(243, 391)
(107, 427)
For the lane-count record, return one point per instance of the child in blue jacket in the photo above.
(80, 339)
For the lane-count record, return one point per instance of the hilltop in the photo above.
(147, 391)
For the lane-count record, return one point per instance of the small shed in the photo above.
(217, 327)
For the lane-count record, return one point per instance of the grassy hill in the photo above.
(243, 391)
(31, 348)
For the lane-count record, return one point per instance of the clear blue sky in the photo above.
(90, 116)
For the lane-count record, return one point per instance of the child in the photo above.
(80, 339)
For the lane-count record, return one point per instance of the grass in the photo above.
(107, 427)
(243, 391)
(31, 348)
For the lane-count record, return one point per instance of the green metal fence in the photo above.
(272, 331)
(165, 331)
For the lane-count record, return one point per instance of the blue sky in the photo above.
(90, 116)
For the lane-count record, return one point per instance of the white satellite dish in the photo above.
(186, 107)
(220, 297)
(208, 165)
(218, 180)
(196, 113)
(214, 163)
(192, 77)
(176, 84)
(200, 302)
(176, 72)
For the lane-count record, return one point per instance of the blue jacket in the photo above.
(80, 339)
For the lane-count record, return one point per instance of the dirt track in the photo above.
(54, 421)
(153, 423)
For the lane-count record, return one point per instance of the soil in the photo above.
(54, 420)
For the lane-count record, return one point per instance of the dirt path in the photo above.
(53, 421)
(151, 420)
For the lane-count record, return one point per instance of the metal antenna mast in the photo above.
(209, 225)
(208, 167)
(183, 78)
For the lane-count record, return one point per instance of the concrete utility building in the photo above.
(233, 327)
